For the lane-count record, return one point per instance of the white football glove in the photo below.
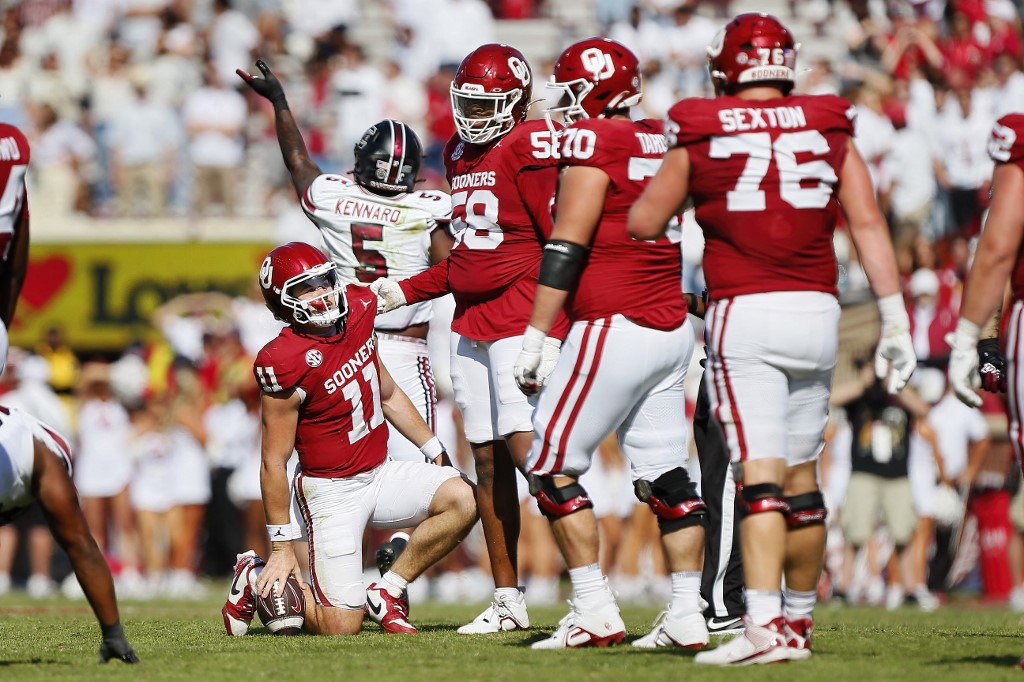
(895, 348)
(536, 360)
(963, 372)
(389, 295)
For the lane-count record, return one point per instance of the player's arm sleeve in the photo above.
(430, 284)
(536, 187)
(15, 267)
(1005, 144)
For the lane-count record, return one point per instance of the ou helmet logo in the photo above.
(598, 63)
(266, 273)
(520, 69)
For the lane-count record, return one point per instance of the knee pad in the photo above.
(555, 502)
(763, 497)
(805, 510)
(674, 500)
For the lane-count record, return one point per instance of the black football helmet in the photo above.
(388, 158)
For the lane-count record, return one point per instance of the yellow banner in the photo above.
(103, 295)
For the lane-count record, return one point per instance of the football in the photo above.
(283, 613)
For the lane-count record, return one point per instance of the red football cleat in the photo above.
(391, 612)
(798, 636)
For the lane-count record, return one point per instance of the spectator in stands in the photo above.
(962, 165)
(881, 428)
(215, 116)
(103, 469)
(405, 98)
(911, 188)
(143, 151)
(359, 92)
(689, 35)
(63, 158)
(190, 484)
(62, 360)
(931, 318)
(232, 39)
(1008, 89)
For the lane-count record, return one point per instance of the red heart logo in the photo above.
(45, 279)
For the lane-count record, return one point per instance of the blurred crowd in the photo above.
(134, 109)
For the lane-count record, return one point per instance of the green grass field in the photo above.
(58, 639)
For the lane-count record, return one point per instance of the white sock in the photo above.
(763, 606)
(254, 572)
(685, 594)
(510, 593)
(799, 604)
(394, 583)
(590, 587)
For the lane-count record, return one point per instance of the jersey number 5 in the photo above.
(796, 180)
(366, 237)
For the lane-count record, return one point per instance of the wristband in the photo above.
(894, 313)
(281, 533)
(280, 103)
(966, 329)
(533, 339)
(432, 448)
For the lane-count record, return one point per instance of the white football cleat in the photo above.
(240, 606)
(688, 632)
(757, 644)
(600, 628)
(503, 614)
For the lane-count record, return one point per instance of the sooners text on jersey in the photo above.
(14, 156)
(341, 429)
(500, 215)
(370, 236)
(642, 280)
(763, 177)
(1007, 146)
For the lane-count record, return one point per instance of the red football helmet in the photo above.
(288, 277)
(752, 48)
(491, 92)
(597, 76)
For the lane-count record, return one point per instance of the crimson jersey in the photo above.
(501, 213)
(341, 429)
(640, 279)
(1007, 146)
(14, 154)
(764, 175)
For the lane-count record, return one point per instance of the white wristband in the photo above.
(968, 329)
(894, 313)
(533, 339)
(432, 448)
(282, 533)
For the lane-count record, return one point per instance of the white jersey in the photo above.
(370, 236)
(17, 459)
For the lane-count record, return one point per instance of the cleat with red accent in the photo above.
(758, 644)
(391, 612)
(798, 636)
(241, 602)
(602, 627)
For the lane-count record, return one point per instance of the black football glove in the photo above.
(268, 86)
(115, 645)
(992, 366)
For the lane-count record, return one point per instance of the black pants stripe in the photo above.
(722, 581)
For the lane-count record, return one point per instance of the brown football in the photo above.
(283, 613)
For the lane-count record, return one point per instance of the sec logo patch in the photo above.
(314, 357)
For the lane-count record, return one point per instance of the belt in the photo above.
(397, 337)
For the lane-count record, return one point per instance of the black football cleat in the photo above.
(388, 553)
